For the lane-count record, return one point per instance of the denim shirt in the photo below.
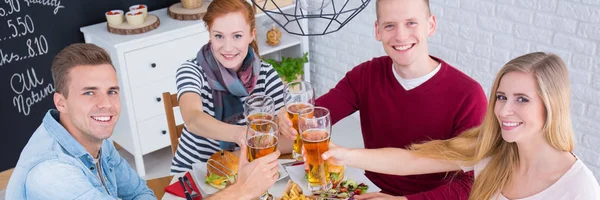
(53, 165)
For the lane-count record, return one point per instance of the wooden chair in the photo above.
(4, 177)
(175, 130)
(158, 185)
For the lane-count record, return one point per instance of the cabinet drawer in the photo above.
(162, 60)
(154, 132)
(147, 100)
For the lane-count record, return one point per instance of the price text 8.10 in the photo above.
(38, 46)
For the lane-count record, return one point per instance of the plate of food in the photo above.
(221, 172)
(293, 191)
(346, 182)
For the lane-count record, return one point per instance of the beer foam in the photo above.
(295, 108)
(315, 135)
(257, 141)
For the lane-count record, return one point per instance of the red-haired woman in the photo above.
(212, 87)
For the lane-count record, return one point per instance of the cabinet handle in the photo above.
(153, 65)
(164, 132)
(158, 99)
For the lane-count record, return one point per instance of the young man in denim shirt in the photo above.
(68, 156)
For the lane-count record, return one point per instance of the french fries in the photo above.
(293, 192)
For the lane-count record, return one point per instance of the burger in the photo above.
(222, 168)
(336, 174)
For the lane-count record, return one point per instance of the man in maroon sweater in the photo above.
(407, 97)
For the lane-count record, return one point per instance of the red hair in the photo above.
(218, 8)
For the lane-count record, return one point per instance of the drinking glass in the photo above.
(315, 129)
(261, 140)
(297, 95)
(258, 106)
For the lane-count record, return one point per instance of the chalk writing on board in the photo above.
(19, 26)
(29, 90)
(53, 3)
(13, 7)
(36, 46)
(27, 87)
(6, 58)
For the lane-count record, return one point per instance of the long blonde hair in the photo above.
(471, 146)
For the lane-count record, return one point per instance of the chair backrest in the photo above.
(158, 185)
(175, 130)
(4, 177)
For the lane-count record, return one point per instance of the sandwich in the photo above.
(222, 169)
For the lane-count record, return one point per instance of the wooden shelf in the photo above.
(287, 41)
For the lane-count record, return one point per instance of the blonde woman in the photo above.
(523, 149)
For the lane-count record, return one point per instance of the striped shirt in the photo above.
(191, 78)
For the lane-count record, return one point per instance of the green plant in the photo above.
(289, 68)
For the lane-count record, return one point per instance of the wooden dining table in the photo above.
(276, 190)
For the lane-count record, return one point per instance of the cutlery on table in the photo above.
(187, 194)
(193, 194)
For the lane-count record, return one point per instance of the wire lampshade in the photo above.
(332, 14)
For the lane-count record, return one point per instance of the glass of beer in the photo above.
(261, 140)
(297, 95)
(258, 106)
(315, 129)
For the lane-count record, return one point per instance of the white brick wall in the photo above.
(478, 37)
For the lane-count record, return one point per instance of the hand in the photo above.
(379, 196)
(255, 178)
(337, 155)
(240, 138)
(285, 124)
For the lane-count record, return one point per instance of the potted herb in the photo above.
(289, 69)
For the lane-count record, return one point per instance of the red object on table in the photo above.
(177, 190)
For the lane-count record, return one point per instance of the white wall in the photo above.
(478, 37)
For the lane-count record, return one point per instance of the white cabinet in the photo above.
(146, 66)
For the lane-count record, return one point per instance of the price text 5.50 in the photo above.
(25, 24)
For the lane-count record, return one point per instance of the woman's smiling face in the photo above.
(519, 109)
(230, 37)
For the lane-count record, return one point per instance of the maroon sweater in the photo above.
(442, 107)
